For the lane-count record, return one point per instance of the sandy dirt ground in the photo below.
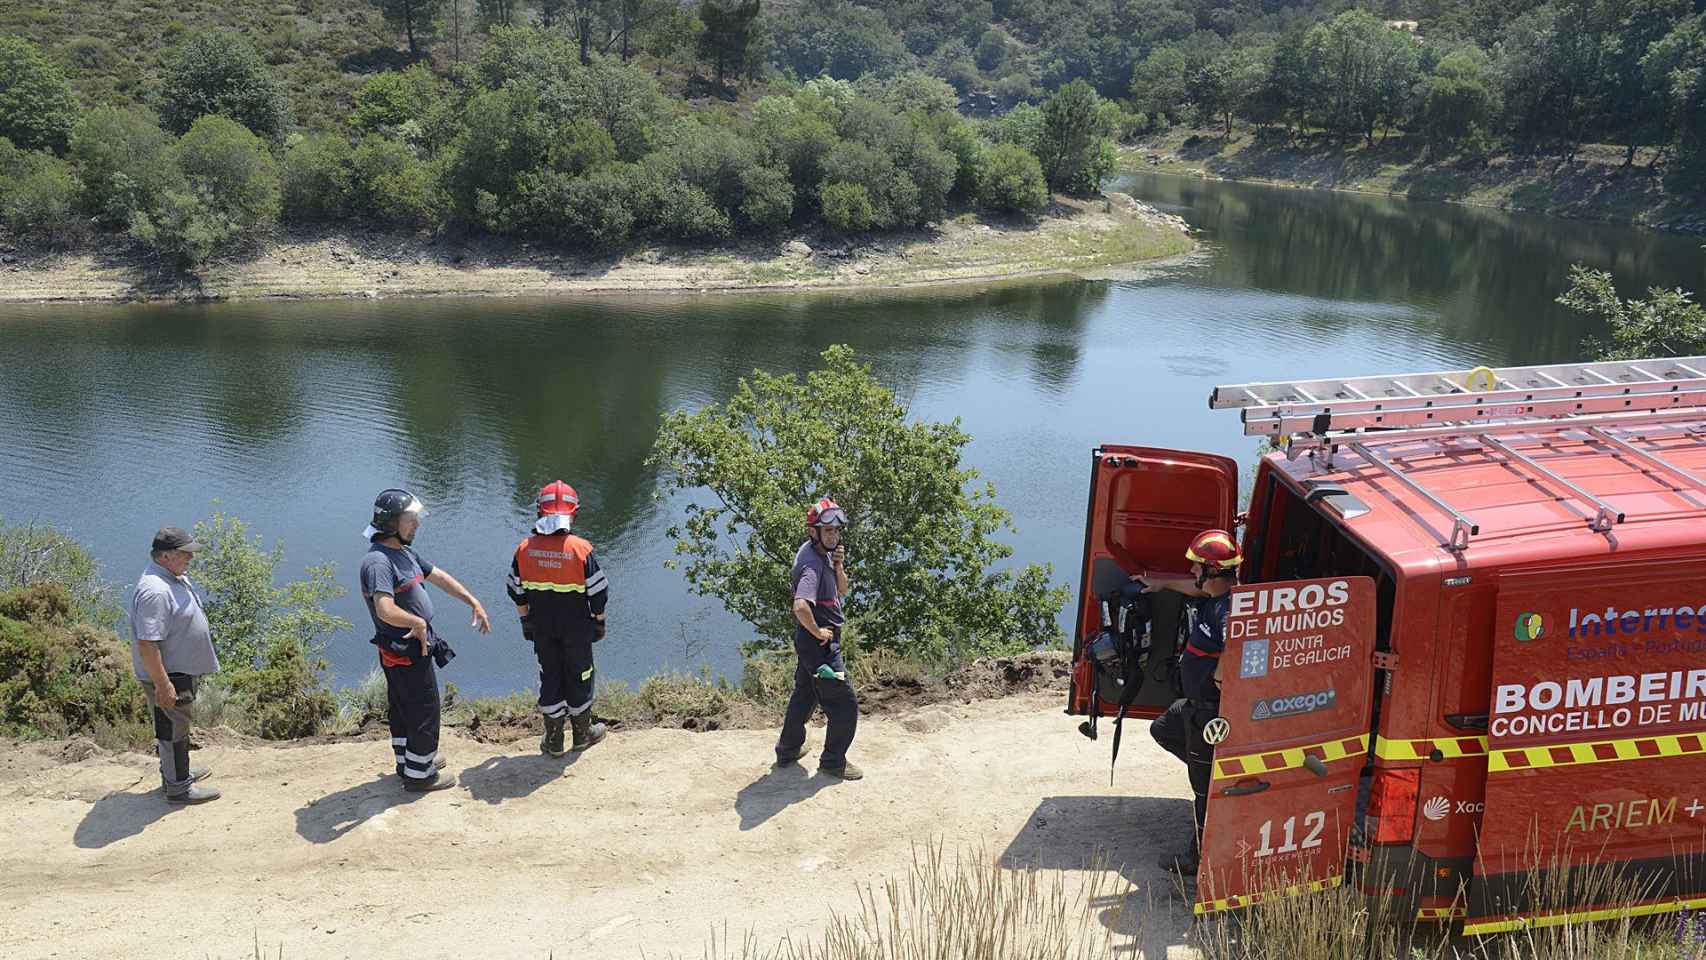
(1076, 235)
(640, 846)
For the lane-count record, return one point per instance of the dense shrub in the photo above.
(318, 182)
(124, 161)
(36, 107)
(286, 696)
(220, 73)
(231, 199)
(847, 207)
(32, 554)
(1012, 180)
(767, 198)
(390, 183)
(393, 99)
(682, 211)
(592, 210)
(57, 676)
(38, 196)
(269, 636)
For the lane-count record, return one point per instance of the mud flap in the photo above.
(1596, 752)
(1291, 740)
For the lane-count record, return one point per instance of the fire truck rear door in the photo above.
(1596, 760)
(1146, 505)
(1293, 732)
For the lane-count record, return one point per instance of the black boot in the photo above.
(587, 733)
(552, 743)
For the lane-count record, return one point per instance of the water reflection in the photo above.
(293, 415)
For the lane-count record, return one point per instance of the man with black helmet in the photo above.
(560, 593)
(1215, 559)
(820, 673)
(393, 579)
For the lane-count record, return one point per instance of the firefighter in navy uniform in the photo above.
(560, 593)
(1215, 558)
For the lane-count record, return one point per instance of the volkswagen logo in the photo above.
(1215, 731)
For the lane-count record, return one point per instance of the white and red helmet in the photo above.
(557, 503)
(826, 513)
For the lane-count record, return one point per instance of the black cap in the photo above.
(174, 538)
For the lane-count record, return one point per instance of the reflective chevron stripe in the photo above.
(1449, 747)
(1254, 763)
(1251, 899)
(1596, 751)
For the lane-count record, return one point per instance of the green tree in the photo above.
(1457, 106)
(1675, 73)
(840, 40)
(1075, 148)
(38, 196)
(1364, 71)
(729, 34)
(1158, 83)
(389, 101)
(495, 13)
(318, 182)
(392, 184)
(991, 49)
(33, 555)
(1012, 180)
(1547, 66)
(847, 206)
(1668, 323)
(923, 556)
(270, 637)
(220, 73)
(230, 194)
(36, 106)
(124, 161)
(416, 18)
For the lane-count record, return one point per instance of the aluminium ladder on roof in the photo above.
(1589, 399)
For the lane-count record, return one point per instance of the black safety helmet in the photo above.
(390, 506)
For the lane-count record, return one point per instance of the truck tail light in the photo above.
(1392, 805)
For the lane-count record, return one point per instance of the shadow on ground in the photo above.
(335, 814)
(117, 816)
(497, 779)
(1126, 835)
(775, 790)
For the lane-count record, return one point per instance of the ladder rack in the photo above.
(1495, 409)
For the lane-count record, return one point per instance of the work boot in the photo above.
(193, 795)
(437, 764)
(846, 771)
(438, 781)
(552, 743)
(198, 774)
(587, 733)
(783, 760)
(1185, 864)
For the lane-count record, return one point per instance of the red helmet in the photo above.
(826, 513)
(1214, 549)
(558, 499)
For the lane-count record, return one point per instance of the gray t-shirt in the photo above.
(165, 610)
(814, 581)
(403, 575)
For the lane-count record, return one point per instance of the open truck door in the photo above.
(1146, 505)
(1595, 804)
(1290, 742)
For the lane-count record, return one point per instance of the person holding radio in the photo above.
(820, 674)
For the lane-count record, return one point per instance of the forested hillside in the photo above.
(196, 125)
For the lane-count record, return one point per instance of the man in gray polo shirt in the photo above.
(172, 648)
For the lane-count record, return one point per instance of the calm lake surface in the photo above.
(115, 420)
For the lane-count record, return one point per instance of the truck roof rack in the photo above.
(1493, 408)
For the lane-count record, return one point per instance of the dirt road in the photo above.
(644, 843)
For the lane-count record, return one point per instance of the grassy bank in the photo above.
(1593, 186)
(1072, 235)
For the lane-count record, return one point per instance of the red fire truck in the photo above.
(1468, 644)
